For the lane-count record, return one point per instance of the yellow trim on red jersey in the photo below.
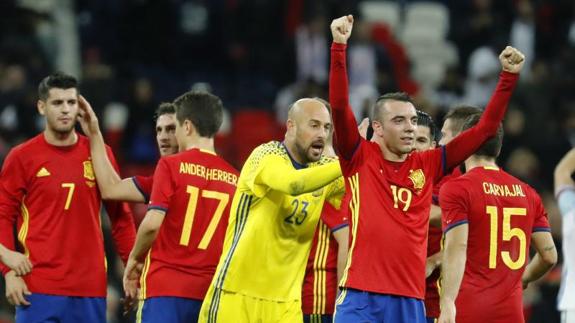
(139, 312)
(24, 228)
(319, 270)
(354, 208)
(144, 274)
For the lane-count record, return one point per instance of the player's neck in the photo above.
(60, 139)
(201, 143)
(388, 154)
(474, 161)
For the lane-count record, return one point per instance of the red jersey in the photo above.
(195, 189)
(50, 193)
(501, 212)
(434, 246)
(144, 185)
(320, 281)
(391, 200)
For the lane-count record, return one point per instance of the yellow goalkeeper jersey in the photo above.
(272, 222)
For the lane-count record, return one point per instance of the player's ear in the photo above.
(290, 125)
(41, 105)
(189, 127)
(377, 128)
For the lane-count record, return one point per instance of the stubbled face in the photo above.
(311, 126)
(397, 124)
(166, 134)
(60, 109)
(423, 139)
(447, 132)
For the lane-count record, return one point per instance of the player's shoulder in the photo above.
(324, 160)
(456, 185)
(28, 145)
(274, 148)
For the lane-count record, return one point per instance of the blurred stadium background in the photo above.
(259, 55)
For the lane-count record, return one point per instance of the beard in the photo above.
(307, 154)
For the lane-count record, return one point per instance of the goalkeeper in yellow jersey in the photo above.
(276, 207)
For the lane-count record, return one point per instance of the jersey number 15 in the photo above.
(508, 234)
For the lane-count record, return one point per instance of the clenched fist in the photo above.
(341, 29)
(512, 60)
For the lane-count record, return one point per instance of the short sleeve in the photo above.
(144, 185)
(163, 187)
(540, 222)
(454, 204)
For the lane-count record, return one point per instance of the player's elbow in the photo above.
(549, 258)
(295, 188)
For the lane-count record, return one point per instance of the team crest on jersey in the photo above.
(89, 171)
(417, 177)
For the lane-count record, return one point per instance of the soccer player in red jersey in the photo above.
(391, 189)
(137, 188)
(48, 189)
(180, 240)
(489, 219)
(452, 125)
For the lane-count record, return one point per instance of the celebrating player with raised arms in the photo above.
(391, 189)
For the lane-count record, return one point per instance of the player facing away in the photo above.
(489, 219)
(180, 240)
(279, 198)
(391, 189)
(48, 189)
(326, 260)
(565, 194)
(112, 186)
(452, 125)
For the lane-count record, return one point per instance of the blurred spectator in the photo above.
(482, 74)
(312, 51)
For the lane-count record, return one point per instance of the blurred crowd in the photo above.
(260, 55)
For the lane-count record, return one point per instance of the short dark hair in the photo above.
(492, 147)
(459, 114)
(57, 80)
(424, 119)
(164, 108)
(203, 109)
(394, 96)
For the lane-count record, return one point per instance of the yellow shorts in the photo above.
(223, 307)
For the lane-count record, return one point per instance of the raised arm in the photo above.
(564, 170)
(111, 186)
(347, 136)
(465, 144)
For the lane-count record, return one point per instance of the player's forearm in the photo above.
(147, 233)
(345, 125)
(453, 268)
(464, 145)
(6, 241)
(565, 169)
(536, 269)
(296, 182)
(106, 175)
